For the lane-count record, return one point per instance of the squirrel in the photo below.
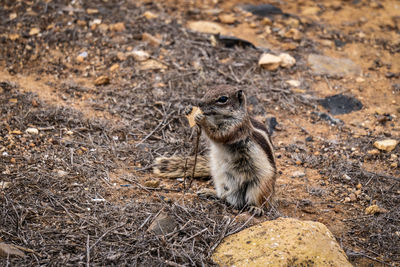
(241, 161)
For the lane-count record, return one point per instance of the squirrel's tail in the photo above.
(175, 167)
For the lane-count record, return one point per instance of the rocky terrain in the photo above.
(91, 92)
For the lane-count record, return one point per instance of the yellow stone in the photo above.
(281, 242)
(34, 31)
(149, 15)
(18, 132)
(266, 21)
(310, 10)
(80, 59)
(373, 152)
(206, 27)
(102, 80)
(92, 11)
(152, 184)
(152, 64)
(118, 27)
(114, 67)
(13, 36)
(294, 34)
(227, 18)
(374, 209)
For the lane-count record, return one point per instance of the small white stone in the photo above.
(95, 21)
(287, 60)
(98, 200)
(140, 55)
(346, 177)
(298, 174)
(269, 61)
(294, 83)
(32, 131)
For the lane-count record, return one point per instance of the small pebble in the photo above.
(373, 209)
(153, 41)
(346, 177)
(373, 152)
(294, 83)
(140, 55)
(102, 80)
(150, 15)
(118, 27)
(114, 67)
(298, 174)
(32, 131)
(152, 184)
(227, 18)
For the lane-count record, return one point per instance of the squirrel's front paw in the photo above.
(256, 211)
(199, 118)
(207, 193)
(188, 110)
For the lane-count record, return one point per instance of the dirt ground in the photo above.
(77, 192)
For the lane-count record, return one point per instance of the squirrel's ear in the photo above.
(240, 96)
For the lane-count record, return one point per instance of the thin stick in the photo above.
(382, 175)
(196, 150)
(87, 252)
(184, 176)
(164, 121)
(193, 236)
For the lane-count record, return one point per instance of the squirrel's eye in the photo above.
(222, 99)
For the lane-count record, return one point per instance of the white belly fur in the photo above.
(221, 163)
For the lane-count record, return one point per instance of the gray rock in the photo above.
(323, 65)
(163, 224)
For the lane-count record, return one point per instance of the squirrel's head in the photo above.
(224, 102)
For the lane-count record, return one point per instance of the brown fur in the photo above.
(242, 160)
